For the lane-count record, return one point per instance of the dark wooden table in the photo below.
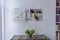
(34, 37)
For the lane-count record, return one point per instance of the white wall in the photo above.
(46, 26)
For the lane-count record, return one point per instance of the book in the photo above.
(57, 11)
(57, 3)
(56, 18)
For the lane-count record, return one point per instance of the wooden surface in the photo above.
(34, 37)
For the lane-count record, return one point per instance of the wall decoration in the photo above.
(28, 14)
(21, 14)
(36, 14)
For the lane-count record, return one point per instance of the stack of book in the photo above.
(57, 10)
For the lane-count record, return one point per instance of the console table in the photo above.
(24, 37)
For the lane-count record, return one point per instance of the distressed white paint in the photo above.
(0, 22)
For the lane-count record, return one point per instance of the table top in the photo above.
(17, 37)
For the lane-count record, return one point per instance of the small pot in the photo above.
(29, 35)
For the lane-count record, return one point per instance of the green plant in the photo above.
(30, 31)
(27, 31)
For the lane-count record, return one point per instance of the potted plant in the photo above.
(30, 32)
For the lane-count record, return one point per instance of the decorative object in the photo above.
(28, 14)
(29, 32)
(36, 14)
